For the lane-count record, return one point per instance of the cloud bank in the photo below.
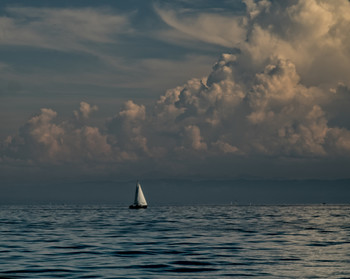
(282, 94)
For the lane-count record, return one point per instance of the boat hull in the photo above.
(137, 206)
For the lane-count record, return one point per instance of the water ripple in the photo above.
(170, 242)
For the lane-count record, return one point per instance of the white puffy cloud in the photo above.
(273, 96)
(254, 8)
(127, 129)
(271, 99)
(193, 135)
(85, 110)
(225, 147)
(276, 115)
(133, 112)
(312, 34)
(43, 140)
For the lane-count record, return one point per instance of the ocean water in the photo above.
(95, 241)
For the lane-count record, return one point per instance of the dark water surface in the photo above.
(83, 241)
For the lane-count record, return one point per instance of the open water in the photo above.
(83, 241)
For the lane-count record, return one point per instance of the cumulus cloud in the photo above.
(280, 96)
(42, 140)
(312, 34)
(193, 136)
(85, 110)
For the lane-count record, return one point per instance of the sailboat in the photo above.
(140, 201)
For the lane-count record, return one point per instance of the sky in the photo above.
(182, 90)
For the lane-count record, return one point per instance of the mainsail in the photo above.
(140, 201)
(139, 197)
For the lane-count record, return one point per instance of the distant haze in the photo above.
(182, 192)
(96, 91)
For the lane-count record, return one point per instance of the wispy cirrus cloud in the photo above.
(210, 28)
(54, 45)
(95, 46)
(60, 28)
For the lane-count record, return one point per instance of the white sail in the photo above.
(139, 197)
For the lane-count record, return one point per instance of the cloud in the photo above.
(91, 47)
(59, 28)
(271, 100)
(43, 141)
(85, 110)
(81, 46)
(133, 112)
(210, 28)
(309, 33)
(193, 136)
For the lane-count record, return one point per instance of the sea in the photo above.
(202, 241)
